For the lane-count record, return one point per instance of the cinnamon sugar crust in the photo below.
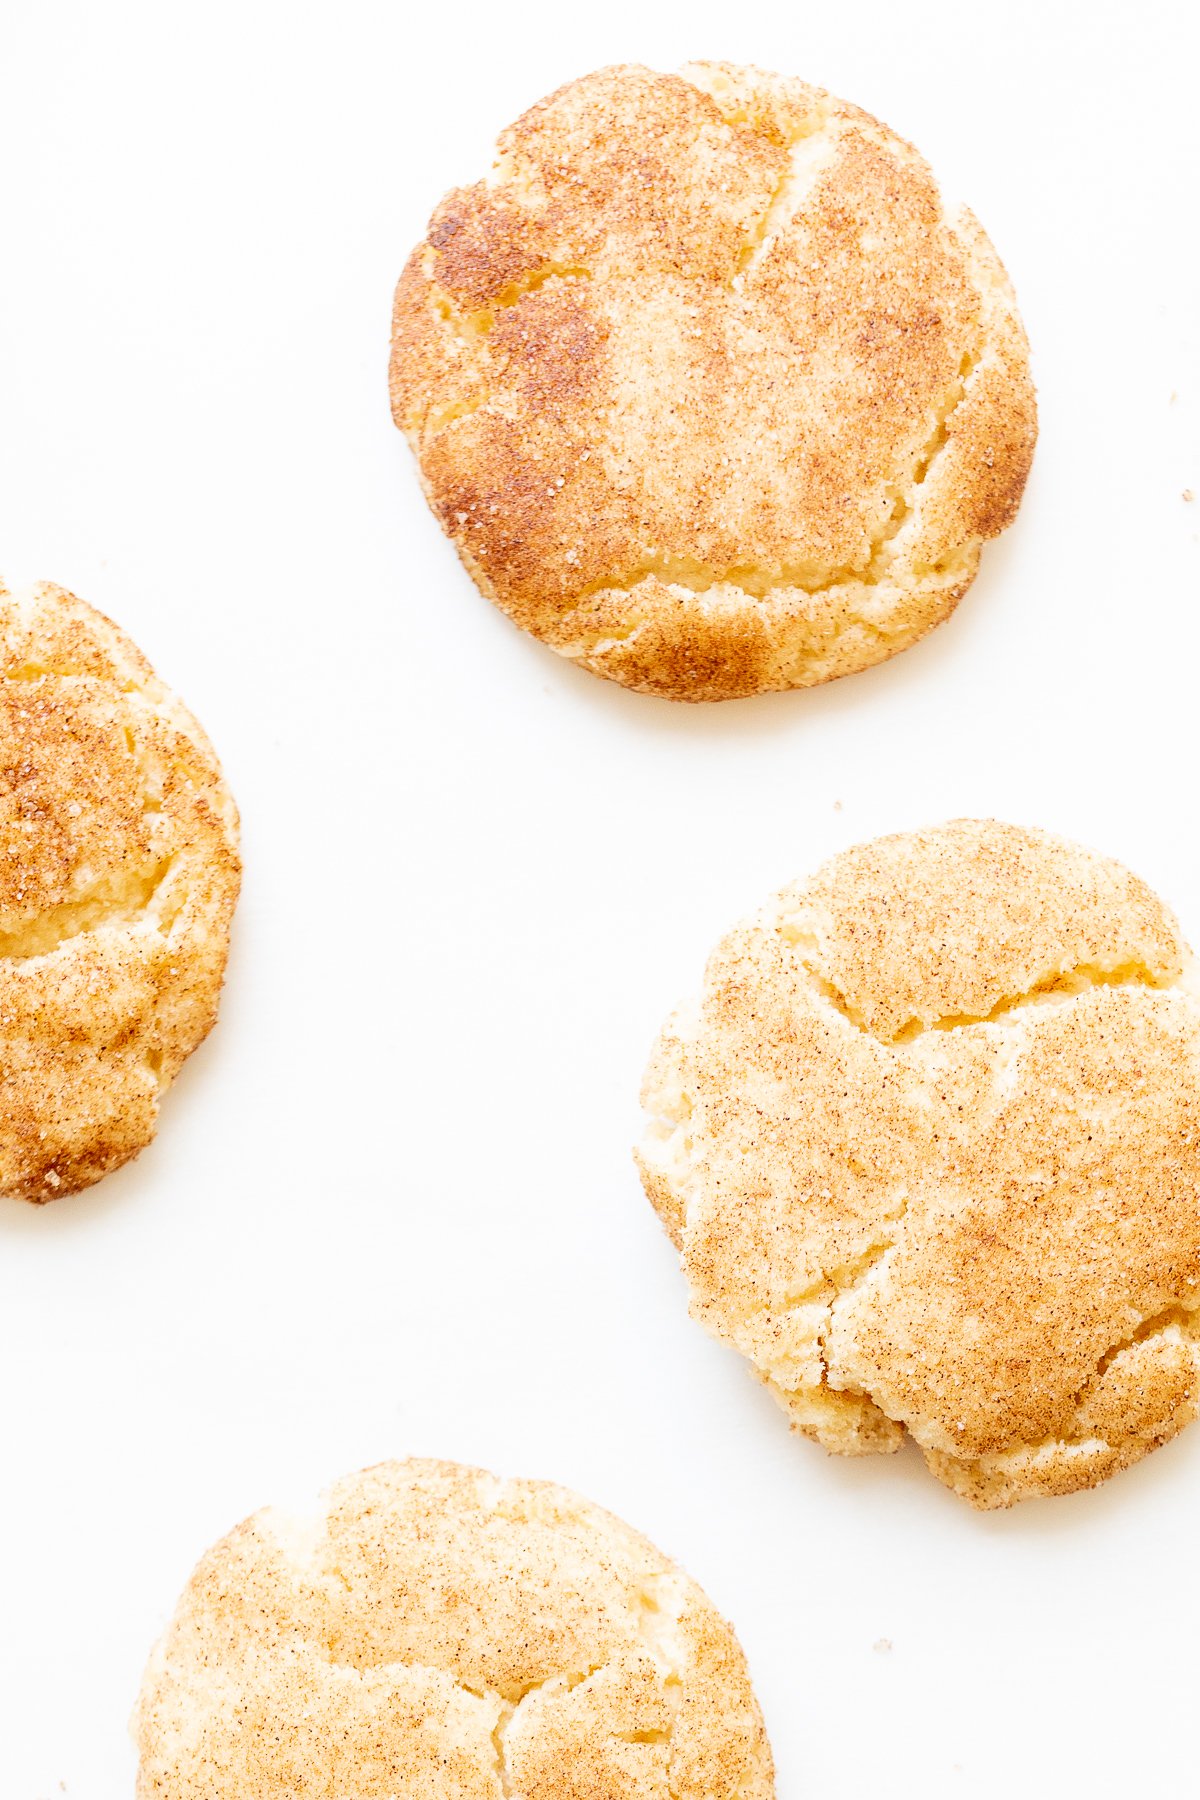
(118, 876)
(930, 1149)
(445, 1635)
(710, 390)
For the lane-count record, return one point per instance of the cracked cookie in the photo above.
(711, 391)
(118, 877)
(443, 1634)
(929, 1146)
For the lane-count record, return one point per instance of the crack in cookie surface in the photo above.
(479, 321)
(806, 651)
(1055, 986)
(119, 901)
(809, 152)
(871, 570)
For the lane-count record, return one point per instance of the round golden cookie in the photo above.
(930, 1148)
(444, 1635)
(711, 391)
(118, 876)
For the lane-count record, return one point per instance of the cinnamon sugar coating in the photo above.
(930, 1149)
(119, 873)
(711, 391)
(445, 1635)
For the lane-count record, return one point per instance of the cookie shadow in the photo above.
(903, 1481)
(940, 657)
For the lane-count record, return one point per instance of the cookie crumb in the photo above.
(883, 1645)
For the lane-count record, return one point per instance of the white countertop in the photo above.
(391, 1208)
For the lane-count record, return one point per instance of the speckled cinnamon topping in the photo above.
(443, 1635)
(930, 1148)
(118, 876)
(711, 391)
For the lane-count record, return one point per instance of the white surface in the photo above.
(391, 1207)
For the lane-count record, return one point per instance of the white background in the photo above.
(390, 1208)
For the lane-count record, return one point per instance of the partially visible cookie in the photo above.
(929, 1145)
(441, 1634)
(710, 388)
(118, 876)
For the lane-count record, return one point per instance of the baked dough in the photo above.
(711, 391)
(118, 877)
(440, 1634)
(930, 1148)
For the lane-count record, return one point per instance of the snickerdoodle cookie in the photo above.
(118, 876)
(712, 391)
(929, 1145)
(445, 1635)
